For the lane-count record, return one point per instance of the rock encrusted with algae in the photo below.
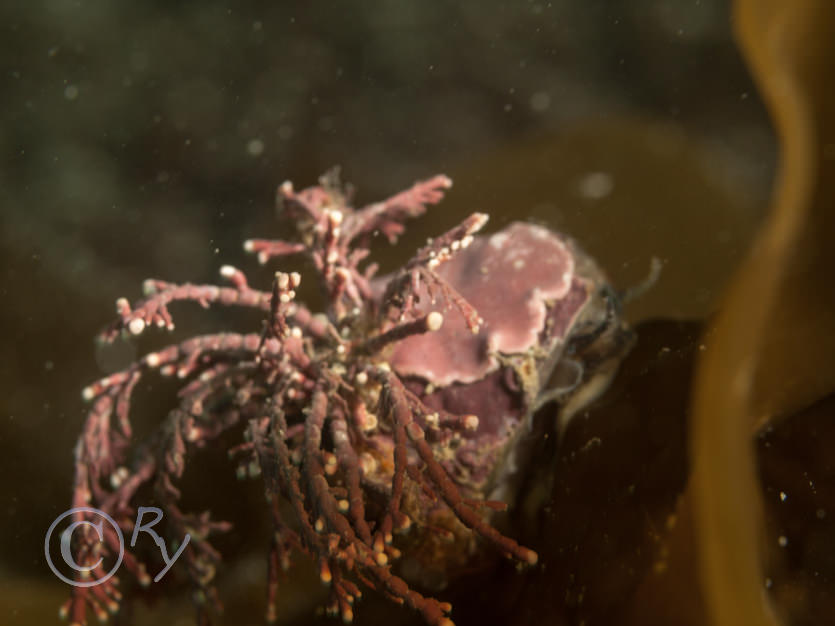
(391, 419)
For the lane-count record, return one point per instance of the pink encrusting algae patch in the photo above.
(535, 266)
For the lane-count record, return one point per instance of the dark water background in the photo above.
(147, 139)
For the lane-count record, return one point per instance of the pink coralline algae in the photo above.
(535, 267)
(386, 429)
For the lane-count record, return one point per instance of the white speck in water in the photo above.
(782, 541)
(783, 496)
(596, 185)
(71, 92)
(255, 147)
(768, 583)
(540, 101)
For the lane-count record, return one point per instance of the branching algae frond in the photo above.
(392, 419)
